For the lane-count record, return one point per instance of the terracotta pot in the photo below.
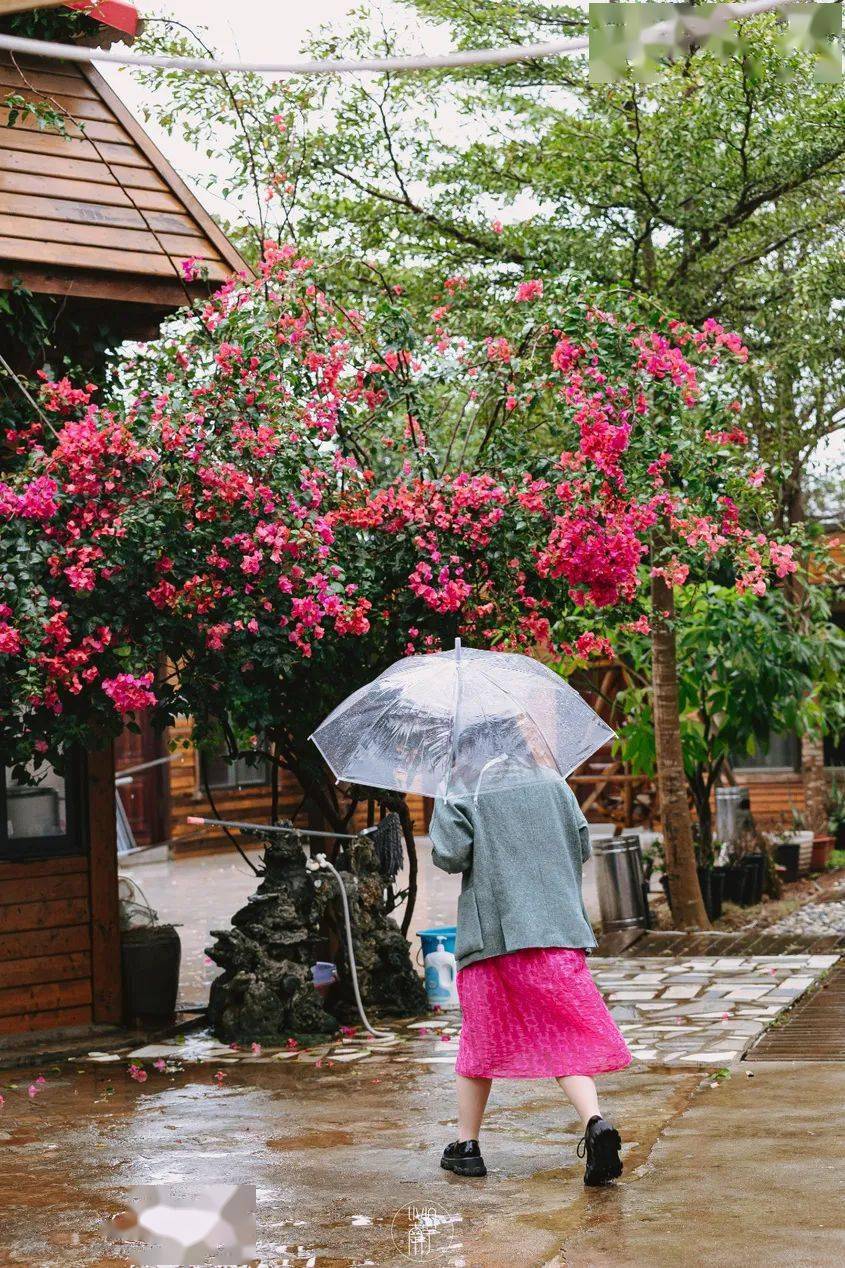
(822, 850)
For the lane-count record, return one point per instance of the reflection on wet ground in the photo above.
(334, 1155)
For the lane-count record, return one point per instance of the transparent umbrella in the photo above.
(458, 723)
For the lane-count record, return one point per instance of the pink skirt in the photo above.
(535, 1014)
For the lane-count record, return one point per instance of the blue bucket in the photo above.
(428, 938)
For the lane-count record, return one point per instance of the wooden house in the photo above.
(99, 219)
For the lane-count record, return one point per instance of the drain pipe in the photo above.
(316, 864)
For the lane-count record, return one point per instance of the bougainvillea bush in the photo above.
(283, 494)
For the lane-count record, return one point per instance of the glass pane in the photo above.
(223, 773)
(36, 810)
(254, 772)
(782, 752)
(218, 770)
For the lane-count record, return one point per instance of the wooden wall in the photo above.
(773, 795)
(59, 933)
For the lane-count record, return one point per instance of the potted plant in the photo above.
(836, 814)
(823, 844)
(710, 878)
(794, 847)
(150, 956)
(736, 881)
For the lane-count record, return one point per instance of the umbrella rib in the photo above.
(523, 709)
(376, 720)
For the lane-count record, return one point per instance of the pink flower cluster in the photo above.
(37, 500)
(597, 555)
(526, 291)
(129, 694)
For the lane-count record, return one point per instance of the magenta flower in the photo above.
(529, 290)
(129, 693)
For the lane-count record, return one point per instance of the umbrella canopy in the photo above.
(458, 723)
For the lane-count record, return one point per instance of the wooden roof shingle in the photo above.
(100, 212)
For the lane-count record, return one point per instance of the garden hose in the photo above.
(315, 863)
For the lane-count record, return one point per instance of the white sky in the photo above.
(251, 29)
(262, 29)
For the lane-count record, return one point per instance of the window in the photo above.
(783, 753)
(220, 772)
(834, 751)
(42, 819)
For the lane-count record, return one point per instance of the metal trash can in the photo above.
(733, 814)
(619, 879)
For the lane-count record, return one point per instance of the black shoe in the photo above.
(601, 1143)
(464, 1158)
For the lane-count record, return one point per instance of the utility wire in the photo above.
(684, 23)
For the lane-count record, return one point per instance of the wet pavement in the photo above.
(335, 1157)
(725, 1163)
(753, 1173)
(718, 1171)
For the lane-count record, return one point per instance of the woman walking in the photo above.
(530, 1007)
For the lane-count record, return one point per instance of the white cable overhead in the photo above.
(685, 22)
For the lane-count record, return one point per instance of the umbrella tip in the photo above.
(457, 649)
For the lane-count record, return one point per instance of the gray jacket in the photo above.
(520, 852)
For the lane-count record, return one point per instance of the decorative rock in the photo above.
(819, 918)
(266, 992)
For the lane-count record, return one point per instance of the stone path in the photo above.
(703, 1011)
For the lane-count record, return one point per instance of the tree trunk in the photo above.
(676, 820)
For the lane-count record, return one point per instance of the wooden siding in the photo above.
(45, 944)
(101, 199)
(59, 929)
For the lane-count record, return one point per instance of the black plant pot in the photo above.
(150, 961)
(840, 837)
(788, 854)
(711, 891)
(755, 865)
(717, 891)
(735, 883)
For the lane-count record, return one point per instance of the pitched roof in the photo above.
(99, 213)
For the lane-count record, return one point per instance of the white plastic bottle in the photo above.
(440, 976)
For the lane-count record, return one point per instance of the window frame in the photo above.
(749, 767)
(73, 842)
(236, 785)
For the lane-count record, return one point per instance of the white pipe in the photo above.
(668, 30)
(320, 860)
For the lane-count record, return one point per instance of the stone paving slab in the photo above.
(666, 1021)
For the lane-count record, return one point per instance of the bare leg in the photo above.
(472, 1100)
(581, 1091)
